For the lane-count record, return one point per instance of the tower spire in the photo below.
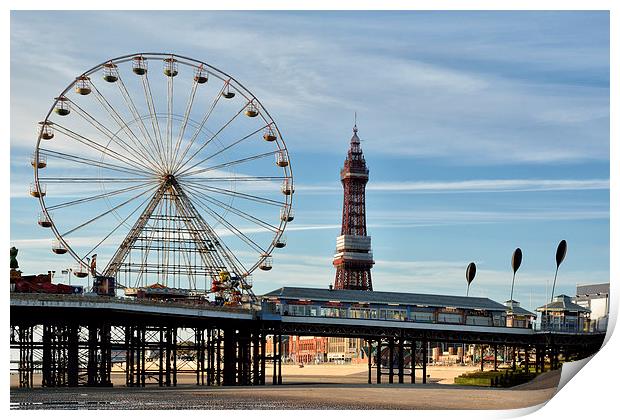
(353, 259)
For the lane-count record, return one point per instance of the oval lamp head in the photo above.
(470, 273)
(517, 257)
(560, 254)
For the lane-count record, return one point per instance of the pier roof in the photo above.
(366, 296)
(562, 303)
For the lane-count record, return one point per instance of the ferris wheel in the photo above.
(165, 170)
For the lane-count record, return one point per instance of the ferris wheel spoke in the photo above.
(148, 96)
(187, 206)
(238, 233)
(245, 196)
(228, 164)
(188, 261)
(97, 197)
(201, 233)
(101, 148)
(124, 126)
(235, 210)
(222, 128)
(118, 206)
(115, 228)
(147, 250)
(126, 148)
(199, 129)
(91, 162)
(144, 258)
(170, 110)
(87, 180)
(219, 152)
(238, 178)
(137, 117)
(188, 110)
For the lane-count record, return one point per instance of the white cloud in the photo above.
(437, 106)
(471, 186)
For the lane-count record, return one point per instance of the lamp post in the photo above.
(560, 254)
(517, 257)
(470, 273)
(68, 272)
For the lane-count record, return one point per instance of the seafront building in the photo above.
(563, 315)
(595, 297)
(385, 306)
(516, 316)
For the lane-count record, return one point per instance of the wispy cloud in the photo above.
(471, 186)
(447, 217)
(424, 97)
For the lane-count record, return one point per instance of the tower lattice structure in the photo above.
(353, 258)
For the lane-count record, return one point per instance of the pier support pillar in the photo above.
(401, 359)
(527, 359)
(229, 357)
(280, 359)
(424, 359)
(413, 360)
(263, 347)
(369, 355)
(99, 365)
(391, 360)
(23, 336)
(378, 360)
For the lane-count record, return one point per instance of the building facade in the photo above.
(518, 317)
(563, 315)
(307, 350)
(595, 297)
(386, 306)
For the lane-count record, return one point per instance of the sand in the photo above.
(310, 387)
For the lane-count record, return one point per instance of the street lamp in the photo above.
(470, 273)
(68, 272)
(517, 257)
(560, 254)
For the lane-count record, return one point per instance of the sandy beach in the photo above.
(319, 374)
(310, 387)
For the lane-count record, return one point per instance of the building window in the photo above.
(450, 318)
(484, 321)
(421, 317)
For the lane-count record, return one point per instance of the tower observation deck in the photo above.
(353, 258)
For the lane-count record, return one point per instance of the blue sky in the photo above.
(483, 131)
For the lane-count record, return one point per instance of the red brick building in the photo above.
(307, 349)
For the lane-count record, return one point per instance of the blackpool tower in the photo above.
(353, 259)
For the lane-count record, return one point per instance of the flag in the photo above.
(93, 265)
